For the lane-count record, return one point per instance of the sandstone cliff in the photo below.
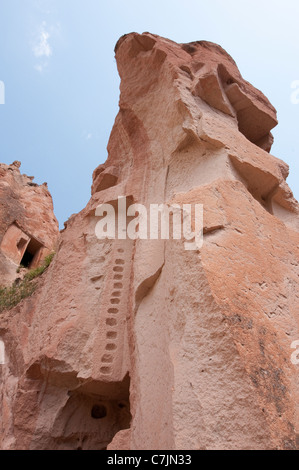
(141, 344)
(28, 227)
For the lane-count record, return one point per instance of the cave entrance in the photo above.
(31, 254)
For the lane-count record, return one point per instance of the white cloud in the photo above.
(87, 135)
(41, 67)
(42, 47)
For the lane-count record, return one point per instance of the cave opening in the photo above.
(31, 253)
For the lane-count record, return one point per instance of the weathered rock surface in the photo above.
(28, 227)
(140, 344)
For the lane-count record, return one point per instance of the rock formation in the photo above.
(141, 344)
(28, 227)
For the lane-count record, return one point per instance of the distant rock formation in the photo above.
(28, 227)
(141, 344)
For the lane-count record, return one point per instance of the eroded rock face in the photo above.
(28, 227)
(140, 344)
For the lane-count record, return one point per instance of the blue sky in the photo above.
(62, 87)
